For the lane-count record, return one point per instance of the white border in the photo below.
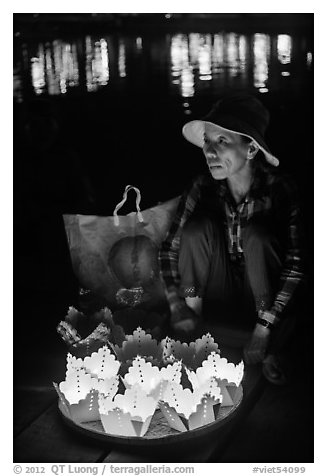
(317, 7)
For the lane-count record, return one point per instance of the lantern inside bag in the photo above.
(116, 257)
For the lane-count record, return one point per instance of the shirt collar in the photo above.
(257, 188)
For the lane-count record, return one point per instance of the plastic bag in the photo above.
(116, 257)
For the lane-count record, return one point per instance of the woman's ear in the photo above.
(252, 150)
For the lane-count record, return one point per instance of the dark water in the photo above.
(119, 102)
(122, 99)
(96, 112)
(189, 65)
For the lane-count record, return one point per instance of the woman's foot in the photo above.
(273, 371)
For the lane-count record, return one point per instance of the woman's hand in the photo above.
(183, 318)
(255, 349)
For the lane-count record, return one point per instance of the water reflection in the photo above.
(122, 59)
(37, 71)
(17, 86)
(179, 56)
(187, 83)
(243, 47)
(197, 58)
(261, 52)
(197, 63)
(181, 67)
(193, 47)
(55, 68)
(284, 48)
(232, 54)
(97, 63)
(204, 58)
(139, 43)
(53, 85)
(218, 53)
(309, 58)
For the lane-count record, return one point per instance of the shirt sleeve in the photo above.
(169, 252)
(292, 272)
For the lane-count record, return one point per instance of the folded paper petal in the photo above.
(144, 374)
(77, 385)
(139, 343)
(102, 363)
(219, 367)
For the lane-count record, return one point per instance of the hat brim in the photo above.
(193, 131)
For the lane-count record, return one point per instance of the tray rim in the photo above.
(162, 440)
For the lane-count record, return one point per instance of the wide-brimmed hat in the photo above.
(240, 113)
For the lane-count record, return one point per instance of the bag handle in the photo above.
(120, 204)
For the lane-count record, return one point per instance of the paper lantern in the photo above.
(144, 374)
(134, 261)
(227, 374)
(123, 385)
(186, 410)
(79, 396)
(85, 379)
(139, 343)
(129, 414)
(193, 354)
(96, 328)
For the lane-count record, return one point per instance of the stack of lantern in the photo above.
(123, 384)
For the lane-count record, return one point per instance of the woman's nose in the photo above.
(210, 151)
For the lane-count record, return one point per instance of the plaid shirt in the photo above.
(270, 193)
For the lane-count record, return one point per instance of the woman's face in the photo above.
(226, 152)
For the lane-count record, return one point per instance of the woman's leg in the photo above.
(204, 264)
(263, 263)
(263, 266)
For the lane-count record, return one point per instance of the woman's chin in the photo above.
(218, 173)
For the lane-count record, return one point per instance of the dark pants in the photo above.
(232, 290)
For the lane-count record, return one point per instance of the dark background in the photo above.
(78, 144)
(128, 131)
(75, 151)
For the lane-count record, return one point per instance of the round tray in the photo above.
(159, 432)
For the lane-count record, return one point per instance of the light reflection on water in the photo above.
(195, 61)
(139, 43)
(55, 68)
(97, 63)
(284, 48)
(261, 53)
(122, 59)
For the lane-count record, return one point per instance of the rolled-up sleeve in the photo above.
(293, 271)
(169, 252)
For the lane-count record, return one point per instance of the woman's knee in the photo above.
(197, 227)
(261, 245)
(258, 234)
